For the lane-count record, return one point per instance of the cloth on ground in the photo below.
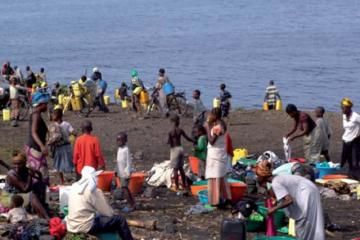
(198, 209)
(57, 228)
(160, 174)
(287, 149)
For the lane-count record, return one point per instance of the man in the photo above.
(159, 86)
(90, 88)
(96, 74)
(30, 78)
(7, 71)
(300, 198)
(18, 74)
(136, 87)
(313, 136)
(89, 212)
(272, 94)
(102, 86)
(87, 150)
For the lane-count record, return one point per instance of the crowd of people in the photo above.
(89, 210)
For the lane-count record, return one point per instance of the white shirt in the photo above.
(67, 128)
(17, 215)
(123, 160)
(351, 127)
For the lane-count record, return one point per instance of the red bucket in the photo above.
(299, 160)
(105, 179)
(194, 163)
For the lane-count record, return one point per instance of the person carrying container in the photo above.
(161, 82)
(272, 95)
(225, 97)
(136, 87)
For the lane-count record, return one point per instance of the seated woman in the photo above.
(25, 182)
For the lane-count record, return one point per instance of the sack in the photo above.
(271, 157)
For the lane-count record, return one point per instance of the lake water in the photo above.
(310, 48)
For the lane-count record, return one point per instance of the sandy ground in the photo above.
(257, 131)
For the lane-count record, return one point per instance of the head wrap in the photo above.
(89, 179)
(346, 102)
(263, 169)
(18, 156)
(39, 97)
(134, 73)
(95, 69)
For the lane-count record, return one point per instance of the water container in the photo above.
(124, 104)
(292, 231)
(66, 103)
(168, 88)
(216, 103)
(6, 114)
(278, 106)
(233, 229)
(144, 97)
(76, 104)
(238, 154)
(76, 89)
(265, 106)
(107, 100)
(117, 94)
(137, 90)
(61, 99)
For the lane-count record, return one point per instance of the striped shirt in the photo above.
(271, 93)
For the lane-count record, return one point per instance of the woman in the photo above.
(300, 198)
(351, 139)
(36, 149)
(59, 141)
(313, 136)
(20, 181)
(217, 159)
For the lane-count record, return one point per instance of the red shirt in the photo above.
(87, 152)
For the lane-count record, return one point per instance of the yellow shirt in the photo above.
(83, 208)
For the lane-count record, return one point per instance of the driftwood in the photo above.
(149, 224)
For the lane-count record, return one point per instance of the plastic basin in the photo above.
(198, 186)
(279, 215)
(323, 171)
(194, 164)
(273, 238)
(248, 162)
(136, 182)
(104, 180)
(335, 176)
(238, 190)
(299, 160)
(203, 196)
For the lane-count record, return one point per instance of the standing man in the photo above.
(30, 77)
(102, 86)
(271, 95)
(87, 150)
(163, 78)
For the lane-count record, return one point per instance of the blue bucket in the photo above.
(203, 196)
(168, 88)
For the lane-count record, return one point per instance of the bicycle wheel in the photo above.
(86, 108)
(182, 105)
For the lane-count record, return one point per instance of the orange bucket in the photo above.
(194, 163)
(104, 180)
(137, 180)
(238, 190)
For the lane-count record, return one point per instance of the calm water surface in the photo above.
(310, 48)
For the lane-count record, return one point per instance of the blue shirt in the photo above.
(102, 85)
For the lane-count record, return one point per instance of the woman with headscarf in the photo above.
(351, 139)
(89, 212)
(217, 159)
(36, 150)
(299, 197)
(27, 183)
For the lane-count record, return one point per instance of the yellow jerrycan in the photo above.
(278, 106)
(239, 153)
(216, 103)
(265, 106)
(6, 114)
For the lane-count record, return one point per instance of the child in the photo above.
(177, 151)
(123, 91)
(199, 108)
(17, 213)
(200, 150)
(225, 97)
(60, 144)
(14, 100)
(123, 160)
(324, 126)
